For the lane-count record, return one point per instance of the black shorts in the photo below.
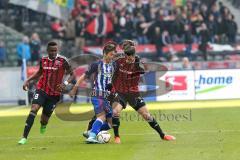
(47, 102)
(133, 99)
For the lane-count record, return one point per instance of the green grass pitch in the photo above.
(202, 134)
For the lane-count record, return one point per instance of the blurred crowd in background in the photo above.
(158, 22)
(236, 3)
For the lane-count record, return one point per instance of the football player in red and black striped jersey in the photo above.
(51, 71)
(125, 82)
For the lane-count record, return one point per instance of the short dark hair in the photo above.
(126, 43)
(109, 46)
(51, 43)
(130, 50)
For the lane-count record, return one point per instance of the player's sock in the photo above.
(97, 126)
(105, 126)
(116, 124)
(90, 123)
(43, 127)
(29, 123)
(153, 123)
(43, 123)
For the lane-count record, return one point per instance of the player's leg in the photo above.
(106, 126)
(89, 127)
(90, 123)
(141, 108)
(101, 118)
(98, 104)
(117, 108)
(44, 122)
(109, 112)
(46, 114)
(37, 102)
(47, 111)
(143, 111)
(139, 105)
(29, 123)
(96, 127)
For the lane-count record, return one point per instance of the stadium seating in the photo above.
(27, 22)
(11, 38)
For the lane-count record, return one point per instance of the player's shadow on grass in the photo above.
(63, 112)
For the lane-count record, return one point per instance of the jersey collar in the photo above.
(54, 58)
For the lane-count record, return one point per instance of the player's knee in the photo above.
(46, 114)
(35, 108)
(116, 112)
(101, 116)
(33, 112)
(146, 116)
(44, 122)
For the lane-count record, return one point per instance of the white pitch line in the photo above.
(128, 134)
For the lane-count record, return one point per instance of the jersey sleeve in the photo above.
(139, 65)
(91, 69)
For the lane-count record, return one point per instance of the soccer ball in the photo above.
(104, 136)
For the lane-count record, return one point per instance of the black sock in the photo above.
(90, 123)
(29, 123)
(43, 124)
(156, 126)
(116, 124)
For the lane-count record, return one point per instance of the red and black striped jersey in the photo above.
(126, 76)
(53, 71)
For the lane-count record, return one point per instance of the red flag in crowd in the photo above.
(101, 25)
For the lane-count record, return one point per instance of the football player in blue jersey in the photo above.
(101, 73)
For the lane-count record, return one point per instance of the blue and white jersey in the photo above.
(102, 75)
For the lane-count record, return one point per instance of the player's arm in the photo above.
(139, 65)
(75, 87)
(92, 69)
(35, 76)
(69, 71)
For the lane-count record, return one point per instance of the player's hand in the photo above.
(25, 86)
(73, 92)
(109, 87)
(61, 87)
